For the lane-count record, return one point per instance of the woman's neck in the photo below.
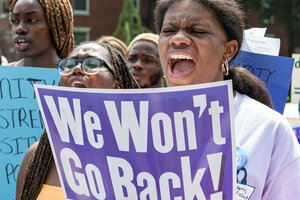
(46, 60)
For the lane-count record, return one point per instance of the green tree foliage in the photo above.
(284, 12)
(130, 23)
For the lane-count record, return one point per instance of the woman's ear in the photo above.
(231, 48)
(116, 85)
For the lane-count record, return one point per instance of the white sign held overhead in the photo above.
(255, 42)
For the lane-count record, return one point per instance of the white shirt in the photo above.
(273, 166)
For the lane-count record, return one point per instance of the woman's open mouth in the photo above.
(180, 65)
(78, 84)
(21, 44)
(76, 81)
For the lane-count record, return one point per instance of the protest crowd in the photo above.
(194, 44)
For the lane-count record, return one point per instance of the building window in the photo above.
(3, 8)
(81, 34)
(81, 7)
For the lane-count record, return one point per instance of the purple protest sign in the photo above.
(168, 143)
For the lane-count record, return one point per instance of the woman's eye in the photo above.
(198, 31)
(91, 65)
(32, 20)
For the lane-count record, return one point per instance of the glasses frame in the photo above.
(102, 63)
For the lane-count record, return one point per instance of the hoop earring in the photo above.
(225, 68)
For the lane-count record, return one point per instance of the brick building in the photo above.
(94, 18)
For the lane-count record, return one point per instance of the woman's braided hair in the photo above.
(38, 167)
(59, 15)
(42, 159)
(122, 74)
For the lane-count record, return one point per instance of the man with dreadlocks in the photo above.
(42, 31)
(38, 178)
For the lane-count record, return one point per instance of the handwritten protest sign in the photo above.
(168, 143)
(275, 71)
(21, 123)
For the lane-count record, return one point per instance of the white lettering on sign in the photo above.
(129, 124)
(79, 182)
(65, 119)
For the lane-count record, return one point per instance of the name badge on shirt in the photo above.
(244, 192)
(241, 157)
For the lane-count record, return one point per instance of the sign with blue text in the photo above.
(167, 143)
(21, 123)
(274, 71)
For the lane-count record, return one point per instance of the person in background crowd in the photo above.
(42, 31)
(38, 177)
(198, 38)
(143, 61)
(116, 43)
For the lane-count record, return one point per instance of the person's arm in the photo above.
(284, 171)
(22, 170)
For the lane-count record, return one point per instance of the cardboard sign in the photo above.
(295, 85)
(274, 71)
(167, 143)
(21, 122)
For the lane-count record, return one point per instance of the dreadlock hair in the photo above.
(123, 76)
(230, 15)
(38, 167)
(59, 15)
(42, 160)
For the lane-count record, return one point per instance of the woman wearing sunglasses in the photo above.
(90, 65)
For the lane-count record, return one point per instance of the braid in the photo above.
(37, 169)
(122, 74)
(59, 15)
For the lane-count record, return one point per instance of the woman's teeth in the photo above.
(181, 56)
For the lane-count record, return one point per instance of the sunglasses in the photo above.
(90, 66)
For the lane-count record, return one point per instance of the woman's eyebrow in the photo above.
(27, 12)
(198, 23)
